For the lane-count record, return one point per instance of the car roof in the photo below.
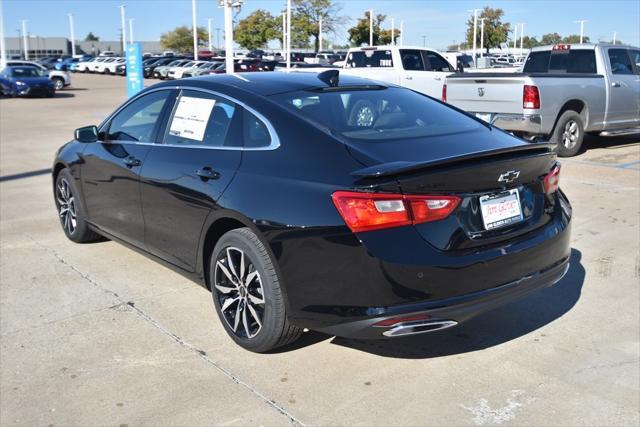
(271, 83)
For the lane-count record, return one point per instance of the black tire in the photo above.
(58, 83)
(259, 326)
(80, 232)
(568, 134)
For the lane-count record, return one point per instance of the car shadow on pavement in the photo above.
(608, 142)
(63, 95)
(487, 330)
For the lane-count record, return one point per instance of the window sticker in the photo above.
(191, 118)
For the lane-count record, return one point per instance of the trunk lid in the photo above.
(470, 166)
(486, 92)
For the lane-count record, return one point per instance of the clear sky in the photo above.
(442, 22)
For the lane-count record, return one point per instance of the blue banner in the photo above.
(135, 78)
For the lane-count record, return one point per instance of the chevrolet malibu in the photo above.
(319, 201)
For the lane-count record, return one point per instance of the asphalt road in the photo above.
(98, 334)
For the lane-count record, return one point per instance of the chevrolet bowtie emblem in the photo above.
(508, 177)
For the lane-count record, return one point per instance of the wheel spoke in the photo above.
(254, 299)
(225, 271)
(224, 289)
(255, 316)
(237, 319)
(250, 277)
(228, 302)
(230, 262)
(241, 275)
(245, 323)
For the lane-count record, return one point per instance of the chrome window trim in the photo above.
(275, 140)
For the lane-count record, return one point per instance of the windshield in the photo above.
(377, 114)
(25, 72)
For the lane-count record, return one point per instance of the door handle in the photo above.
(131, 161)
(438, 78)
(409, 78)
(616, 84)
(206, 173)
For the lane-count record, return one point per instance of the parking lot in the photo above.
(98, 334)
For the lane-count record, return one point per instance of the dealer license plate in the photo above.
(501, 210)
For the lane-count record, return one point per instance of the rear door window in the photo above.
(370, 59)
(436, 62)
(412, 60)
(620, 61)
(635, 59)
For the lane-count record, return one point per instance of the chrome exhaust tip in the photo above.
(418, 327)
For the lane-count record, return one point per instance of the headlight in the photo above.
(21, 84)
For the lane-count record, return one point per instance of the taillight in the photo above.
(444, 93)
(551, 181)
(374, 211)
(530, 97)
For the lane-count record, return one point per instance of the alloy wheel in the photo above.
(239, 292)
(66, 206)
(570, 134)
(58, 84)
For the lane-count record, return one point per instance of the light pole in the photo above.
(424, 41)
(122, 20)
(320, 35)
(614, 37)
(195, 30)
(521, 37)
(210, 35)
(130, 30)
(475, 31)
(228, 37)
(218, 37)
(25, 43)
(393, 31)
(581, 22)
(482, 37)
(371, 27)
(288, 35)
(515, 36)
(3, 49)
(401, 33)
(284, 33)
(73, 37)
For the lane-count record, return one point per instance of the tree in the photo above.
(529, 42)
(495, 32)
(307, 16)
(256, 30)
(181, 39)
(551, 38)
(359, 34)
(91, 37)
(575, 39)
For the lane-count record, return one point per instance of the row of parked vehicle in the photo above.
(31, 78)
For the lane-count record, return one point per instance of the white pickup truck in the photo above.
(563, 92)
(423, 70)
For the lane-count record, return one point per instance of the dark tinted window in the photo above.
(200, 119)
(377, 114)
(412, 60)
(635, 59)
(25, 72)
(255, 132)
(370, 58)
(436, 62)
(574, 61)
(620, 61)
(137, 121)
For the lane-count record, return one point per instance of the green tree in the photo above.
(495, 32)
(529, 42)
(550, 38)
(257, 29)
(181, 39)
(306, 20)
(575, 39)
(359, 34)
(91, 37)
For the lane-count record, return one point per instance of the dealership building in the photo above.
(40, 47)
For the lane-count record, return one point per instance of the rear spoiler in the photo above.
(402, 166)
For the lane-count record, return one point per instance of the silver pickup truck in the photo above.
(563, 92)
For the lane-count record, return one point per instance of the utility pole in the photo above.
(320, 35)
(124, 38)
(475, 32)
(515, 36)
(614, 37)
(25, 43)
(424, 41)
(401, 33)
(522, 37)
(130, 30)
(371, 27)
(195, 29)
(482, 37)
(581, 22)
(393, 31)
(218, 38)
(228, 37)
(73, 37)
(288, 35)
(3, 49)
(284, 33)
(210, 35)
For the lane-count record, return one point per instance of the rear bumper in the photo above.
(522, 123)
(449, 312)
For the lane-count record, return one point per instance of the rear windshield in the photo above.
(579, 61)
(369, 58)
(377, 114)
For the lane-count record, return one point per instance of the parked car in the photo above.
(83, 66)
(107, 53)
(93, 66)
(563, 92)
(320, 201)
(110, 67)
(149, 67)
(25, 80)
(60, 79)
(420, 69)
(203, 69)
(100, 67)
(48, 62)
(162, 71)
(176, 72)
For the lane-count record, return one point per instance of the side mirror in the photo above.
(86, 134)
(460, 67)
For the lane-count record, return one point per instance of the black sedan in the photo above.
(320, 201)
